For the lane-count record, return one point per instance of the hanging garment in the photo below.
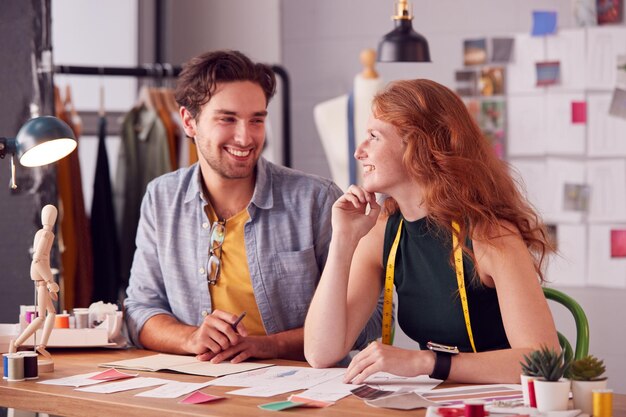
(76, 255)
(106, 255)
(143, 156)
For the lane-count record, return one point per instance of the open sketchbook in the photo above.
(184, 364)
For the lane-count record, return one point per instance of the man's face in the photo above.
(230, 130)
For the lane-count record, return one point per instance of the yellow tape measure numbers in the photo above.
(389, 273)
(388, 297)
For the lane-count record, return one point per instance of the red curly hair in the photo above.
(461, 176)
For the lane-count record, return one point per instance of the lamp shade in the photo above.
(403, 44)
(44, 140)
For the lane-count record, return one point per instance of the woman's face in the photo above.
(380, 156)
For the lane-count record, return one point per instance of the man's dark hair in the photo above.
(200, 75)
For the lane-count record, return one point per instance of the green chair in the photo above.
(582, 325)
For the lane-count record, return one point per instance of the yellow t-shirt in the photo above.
(233, 291)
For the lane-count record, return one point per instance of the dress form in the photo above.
(331, 120)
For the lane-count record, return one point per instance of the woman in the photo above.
(428, 156)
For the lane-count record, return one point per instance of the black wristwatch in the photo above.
(443, 359)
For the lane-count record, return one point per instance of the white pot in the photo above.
(524, 381)
(552, 395)
(583, 396)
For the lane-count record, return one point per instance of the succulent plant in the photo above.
(588, 368)
(529, 366)
(545, 363)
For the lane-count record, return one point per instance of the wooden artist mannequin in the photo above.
(332, 121)
(47, 289)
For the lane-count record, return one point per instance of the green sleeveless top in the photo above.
(429, 306)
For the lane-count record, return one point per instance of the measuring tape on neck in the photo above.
(389, 274)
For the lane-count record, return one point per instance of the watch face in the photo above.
(438, 347)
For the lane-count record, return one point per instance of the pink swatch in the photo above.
(112, 375)
(579, 112)
(199, 398)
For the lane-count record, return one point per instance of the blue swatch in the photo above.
(544, 23)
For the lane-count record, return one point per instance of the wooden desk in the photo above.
(65, 401)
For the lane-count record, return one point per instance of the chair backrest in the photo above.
(582, 325)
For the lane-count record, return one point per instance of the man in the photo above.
(233, 233)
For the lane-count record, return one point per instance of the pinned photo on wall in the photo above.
(548, 73)
(579, 112)
(473, 107)
(491, 123)
(502, 50)
(466, 82)
(575, 197)
(621, 71)
(618, 243)
(618, 103)
(609, 11)
(491, 82)
(552, 232)
(544, 23)
(475, 51)
(585, 13)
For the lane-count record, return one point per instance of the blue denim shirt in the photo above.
(286, 238)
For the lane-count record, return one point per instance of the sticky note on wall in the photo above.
(544, 23)
(579, 112)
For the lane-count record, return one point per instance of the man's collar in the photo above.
(262, 197)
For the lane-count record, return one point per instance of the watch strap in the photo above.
(443, 361)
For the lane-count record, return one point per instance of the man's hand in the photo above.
(259, 347)
(215, 334)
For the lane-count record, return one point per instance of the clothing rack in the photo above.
(161, 71)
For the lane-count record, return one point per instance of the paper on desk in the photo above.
(495, 392)
(173, 389)
(185, 365)
(126, 385)
(74, 381)
(401, 401)
(390, 382)
(264, 391)
(294, 377)
(199, 398)
(112, 375)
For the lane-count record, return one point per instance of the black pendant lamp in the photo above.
(403, 44)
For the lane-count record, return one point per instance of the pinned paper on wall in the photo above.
(568, 265)
(618, 103)
(618, 243)
(603, 270)
(502, 49)
(466, 82)
(579, 112)
(548, 73)
(475, 51)
(491, 82)
(609, 11)
(575, 197)
(544, 23)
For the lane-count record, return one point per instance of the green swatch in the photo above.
(280, 405)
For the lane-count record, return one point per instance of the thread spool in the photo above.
(5, 365)
(31, 370)
(30, 315)
(15, 366)
(602, 402)
(81, 318)
(474, 408)
(62, 321)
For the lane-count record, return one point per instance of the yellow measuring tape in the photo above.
(389, 273)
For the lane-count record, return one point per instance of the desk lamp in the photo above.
(40, 141)
(403, 44)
